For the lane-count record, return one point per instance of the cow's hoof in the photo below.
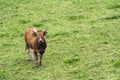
(28, 59)
(36, 66)
(40, 64)
(33, 59)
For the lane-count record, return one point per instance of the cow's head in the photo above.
(39, 34)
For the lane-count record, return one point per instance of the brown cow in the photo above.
(35, 40)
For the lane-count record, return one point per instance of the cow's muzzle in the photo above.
(40, 41)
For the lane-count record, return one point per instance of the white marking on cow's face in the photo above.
(40, 40)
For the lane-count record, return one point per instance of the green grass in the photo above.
(83, 39)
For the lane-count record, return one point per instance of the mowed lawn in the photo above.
(83, 40)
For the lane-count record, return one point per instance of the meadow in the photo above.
(83, 40)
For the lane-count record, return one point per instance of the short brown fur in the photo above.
(35, 40)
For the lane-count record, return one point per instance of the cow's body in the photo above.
(35, 40)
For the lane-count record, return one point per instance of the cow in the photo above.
(35, 40)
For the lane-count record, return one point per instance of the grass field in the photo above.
(83, 39)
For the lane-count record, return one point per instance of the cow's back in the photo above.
(29, 39)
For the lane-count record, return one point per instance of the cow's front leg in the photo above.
(36, 59)
(40, 61)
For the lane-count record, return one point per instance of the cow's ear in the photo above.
(44, 32)
(35, 34)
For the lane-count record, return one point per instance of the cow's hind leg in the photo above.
(28, 54)
(33, 55)
(28, 51)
